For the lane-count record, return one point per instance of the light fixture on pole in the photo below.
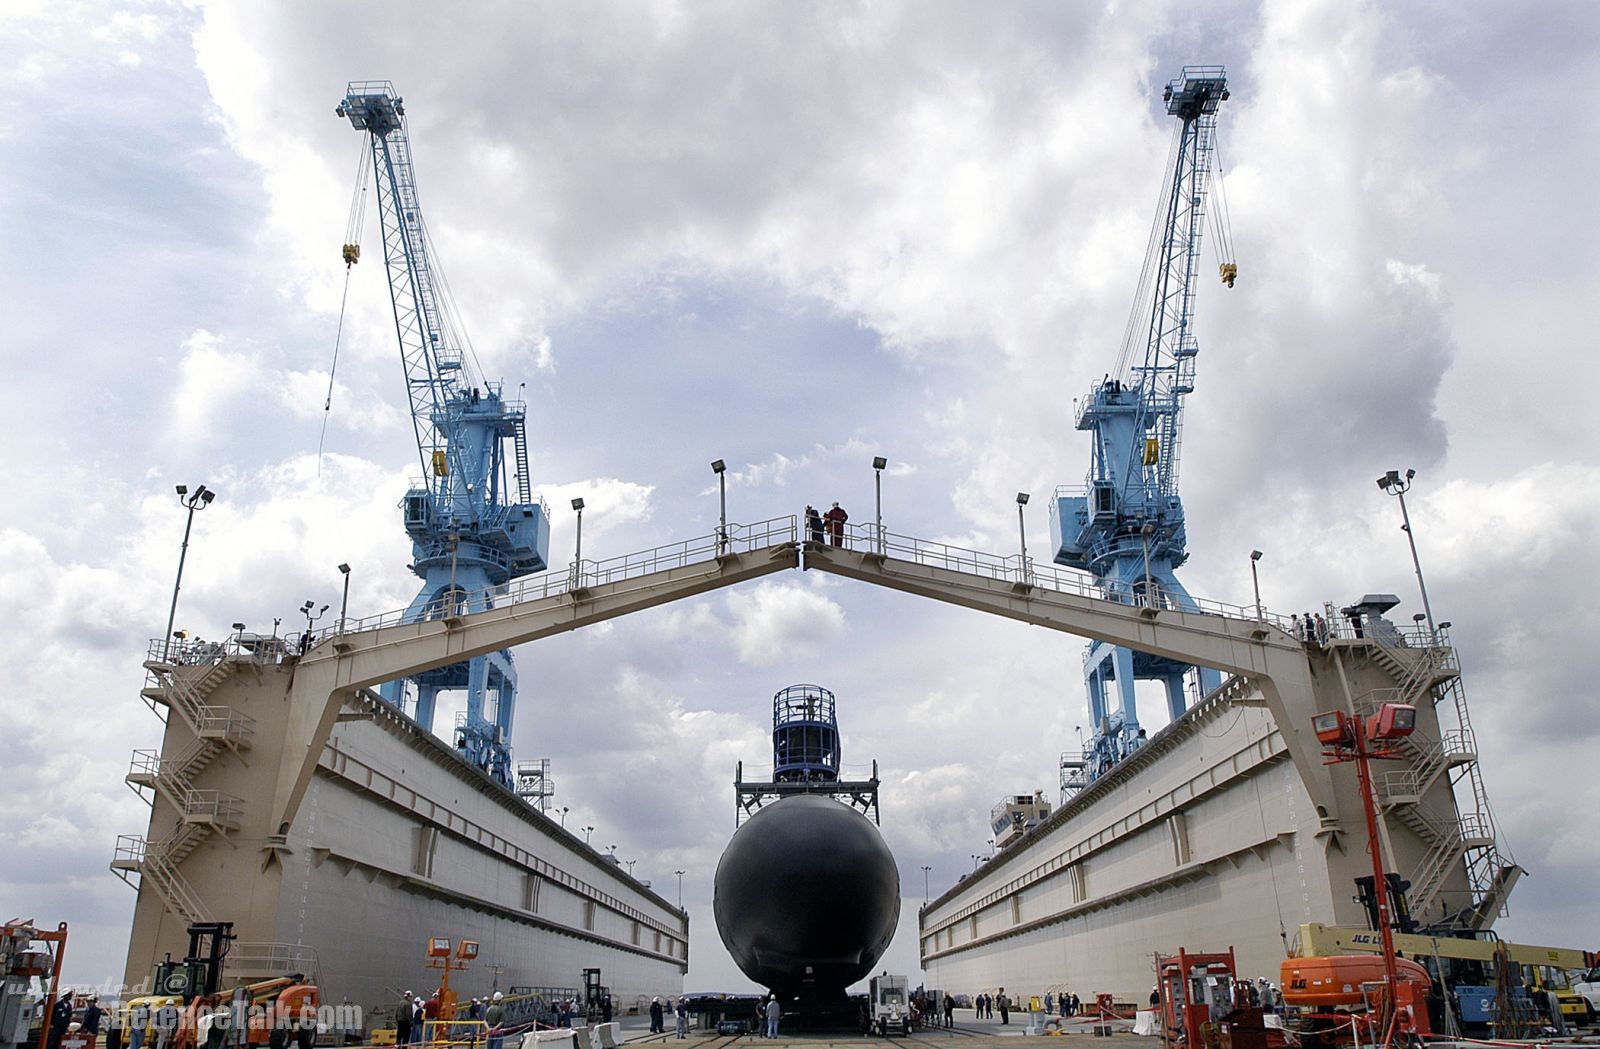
(198, 501)
(630, 864)
(1398, 486)
(1255, 580)
(720, 468)
(312, 614)
(680, 888)
(238, 633)
(587, 831)
(878, 464)
(344, 603)
(1348, 737)
(577, 549)
(564, 810)
(925, 870)
(1021, 531)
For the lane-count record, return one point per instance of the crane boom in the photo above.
(1125, 524)
(467, 537)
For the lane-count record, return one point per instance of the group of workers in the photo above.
(832, 522)
(419, 1020)
(61, 1021)
(658, 1016)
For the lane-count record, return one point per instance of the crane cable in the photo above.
(1221, 221)
(352, 254)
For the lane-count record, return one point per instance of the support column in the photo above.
(1176, 703)
(1130, 705)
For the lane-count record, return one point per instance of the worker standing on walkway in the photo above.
(492, 1018)
(836, 517)
(773, 1010)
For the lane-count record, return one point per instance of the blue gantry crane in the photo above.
(470, 531)
(1125, 524)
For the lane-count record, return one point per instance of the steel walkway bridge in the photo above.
(361, 654)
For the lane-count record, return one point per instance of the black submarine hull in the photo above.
(807, 897)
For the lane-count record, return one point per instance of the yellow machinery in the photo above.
(1540, 969)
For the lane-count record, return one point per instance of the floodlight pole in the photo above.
(878, 463)
(1396, 485)
(344, 603)
(720, 468)
(1022, 534)
(1356, 747)
(577, 550)
(1255, 581)
(199, 500)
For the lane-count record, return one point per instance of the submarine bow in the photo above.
(807, 896)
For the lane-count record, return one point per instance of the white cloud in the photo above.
(211, 378)
(773, 621)
(926, 254)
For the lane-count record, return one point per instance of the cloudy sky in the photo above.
(792, 236)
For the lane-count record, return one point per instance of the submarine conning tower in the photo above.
(805, 735)
(807, 894)
(805, 757)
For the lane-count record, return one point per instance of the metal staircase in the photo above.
(519, 441)
(183, 687)
(1426, 675)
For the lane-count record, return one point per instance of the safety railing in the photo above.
(146, 763)
(225, 723)
(1407, 784)
(135, 854)
(764, 773)
(739, 538)
(213, 806)
(1454, 839)
(268, 959)
(259, 648)
(129, 851)
(866, 538)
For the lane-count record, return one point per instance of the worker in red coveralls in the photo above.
(836, 518)
(430, 1013)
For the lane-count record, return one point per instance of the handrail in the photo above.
(771, 533)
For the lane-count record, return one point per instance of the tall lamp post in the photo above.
(925, 870)
(199, 500)
(1398, 486)
(1347, 737)
(587, 831)
(720, 468)
(344, 602)
(878, 464)
(577, 549)
(1022, 533)
(1255, 581)
(680, 888)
